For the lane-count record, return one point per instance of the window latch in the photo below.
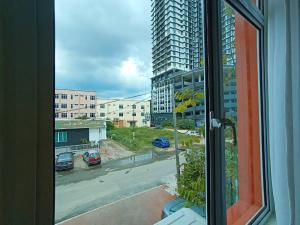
(214, 122)
(218, 123)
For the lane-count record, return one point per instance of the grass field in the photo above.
(143, 137)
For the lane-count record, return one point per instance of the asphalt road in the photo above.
(83, 190)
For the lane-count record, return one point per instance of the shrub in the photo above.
(202, 131)
(167, 123)
(191, 182)
(187, 124)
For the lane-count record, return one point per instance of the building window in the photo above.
(120, 106)
(63, 106)
(92, 114)
(134, 106)
(102, 106)
(86, 106)
(56, 115)
(64, 96)
(56, 105)
(120, 114)
(142, 107)
(134, 114)
(92, 97)
(71, 96)
(56, 96)
(71, 115)
(142, 114)
(71, 106)
(92, 106)
(102, 114)
(64, 115)
(61, 136)
(85, 97)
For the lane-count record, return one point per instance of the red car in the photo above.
(92, 157)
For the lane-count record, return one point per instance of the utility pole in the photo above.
(175, 130)
(133, 122)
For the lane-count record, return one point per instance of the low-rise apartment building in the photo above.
(124, 113)
(71, 104)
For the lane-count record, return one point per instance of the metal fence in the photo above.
(77, 149)
(141, 158)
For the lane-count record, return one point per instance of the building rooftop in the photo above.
(79, 90)
(77, 124)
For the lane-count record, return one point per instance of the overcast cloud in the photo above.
(103, 45)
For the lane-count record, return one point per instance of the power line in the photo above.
(116, 100)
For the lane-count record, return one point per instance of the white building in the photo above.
(124, 113)
(176, 35)
(71, 104)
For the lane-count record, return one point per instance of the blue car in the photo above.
(161, 142)
(177, 204)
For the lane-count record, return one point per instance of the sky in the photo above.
(103, 45)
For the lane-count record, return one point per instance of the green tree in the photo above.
(191, 182)
(109, 125)
(189, 98)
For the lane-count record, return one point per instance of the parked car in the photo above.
(193, 133)
(161, 142)
(64, 161)
(92, 157)
(177, 204)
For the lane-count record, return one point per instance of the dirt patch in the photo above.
(79, 163)
(112, 150)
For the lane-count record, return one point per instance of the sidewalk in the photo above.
(141, 209)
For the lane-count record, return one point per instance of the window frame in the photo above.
(215, 103)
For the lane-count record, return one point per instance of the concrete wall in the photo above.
(94, 135)
(102, 133)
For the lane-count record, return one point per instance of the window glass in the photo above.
(242, 129)
(61, 137)
(147, 125)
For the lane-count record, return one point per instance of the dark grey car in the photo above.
(64, 161)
